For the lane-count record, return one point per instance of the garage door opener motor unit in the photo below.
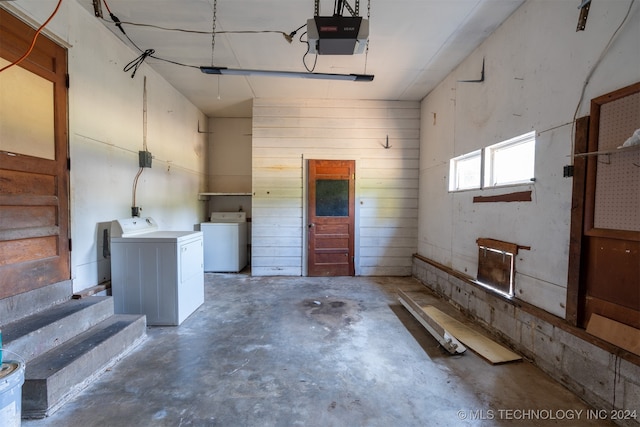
(337, 34)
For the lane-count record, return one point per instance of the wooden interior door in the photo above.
(331, 208)
(610, 258)
(34, 202)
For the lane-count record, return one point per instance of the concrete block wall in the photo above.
(606, 381)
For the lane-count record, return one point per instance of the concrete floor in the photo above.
(295, 351)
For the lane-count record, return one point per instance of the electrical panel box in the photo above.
(144, 158)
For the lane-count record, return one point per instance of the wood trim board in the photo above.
(520, 196)
(624, 336)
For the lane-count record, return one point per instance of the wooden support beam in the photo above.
(575, 294)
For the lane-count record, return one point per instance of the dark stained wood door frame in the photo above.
(49, 61)
(582, 220)
(328, 221)
(575, 293)
(592, 163)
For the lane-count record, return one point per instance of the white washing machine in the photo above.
(225, 242)
(154, 272)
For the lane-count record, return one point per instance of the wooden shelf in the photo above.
(207, 196)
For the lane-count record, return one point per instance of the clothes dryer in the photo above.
(225, 242)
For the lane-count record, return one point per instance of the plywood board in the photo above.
(485, 347)
(624, 336)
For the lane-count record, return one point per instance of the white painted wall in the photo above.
(536, 64)
(229, 155)
(229, 164)
(106, 133)
(287, 133)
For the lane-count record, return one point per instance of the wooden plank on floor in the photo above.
(624, 336)
(92, 291)
(485, 347)
(480, 344)
(445, 339)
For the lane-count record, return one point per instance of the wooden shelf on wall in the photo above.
(206, 196)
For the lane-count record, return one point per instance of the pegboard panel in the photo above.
(617, 197)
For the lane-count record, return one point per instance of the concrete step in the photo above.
(27, 303)
(59, 374)
(34, 335)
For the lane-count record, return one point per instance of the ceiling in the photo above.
(413, 45)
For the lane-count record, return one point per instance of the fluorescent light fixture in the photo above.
(273, 73)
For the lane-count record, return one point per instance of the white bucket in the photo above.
(11, 380)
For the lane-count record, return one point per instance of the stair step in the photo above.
(59, 374)
(34, 335)
(19, 306)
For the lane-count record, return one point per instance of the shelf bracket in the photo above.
(201, 131)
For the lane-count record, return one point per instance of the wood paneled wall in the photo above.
(286, 133)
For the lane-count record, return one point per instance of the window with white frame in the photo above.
(510, 162)
(465, 172)
(505, 163)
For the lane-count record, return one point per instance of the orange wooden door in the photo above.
(34, 210)
(331, 210)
